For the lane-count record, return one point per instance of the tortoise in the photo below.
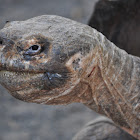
(53, 60)
(102, 128)
(119, 21)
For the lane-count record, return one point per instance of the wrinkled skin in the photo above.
(119, 21)
(54, 60)
(40, 75)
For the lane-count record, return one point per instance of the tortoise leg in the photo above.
(102, 129)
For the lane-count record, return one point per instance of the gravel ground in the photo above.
(24, 121)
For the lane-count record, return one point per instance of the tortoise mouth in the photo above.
(23, 85)
(16, 81)
(28, 86)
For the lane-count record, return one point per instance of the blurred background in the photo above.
(28, 121)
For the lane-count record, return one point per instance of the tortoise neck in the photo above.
(112, 86)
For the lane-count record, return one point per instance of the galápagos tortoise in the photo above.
(54, 60)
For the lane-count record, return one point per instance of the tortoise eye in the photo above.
(35, 47)
(33, 50)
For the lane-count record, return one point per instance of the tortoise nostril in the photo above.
(7, 21)
(1, 42)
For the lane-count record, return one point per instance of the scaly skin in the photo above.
(53, 60)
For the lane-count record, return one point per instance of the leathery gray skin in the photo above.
(53, 60)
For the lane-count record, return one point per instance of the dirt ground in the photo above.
(24, 121)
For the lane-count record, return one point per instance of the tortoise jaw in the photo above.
(25, 86)
(32, 87)
(18, 81)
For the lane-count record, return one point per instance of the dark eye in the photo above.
(33, 50)
(34, 47)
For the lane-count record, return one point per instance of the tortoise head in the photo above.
(44, 59)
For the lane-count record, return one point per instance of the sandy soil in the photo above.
(24, 121)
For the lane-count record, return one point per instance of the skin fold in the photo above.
(53, 60)
(119, 21)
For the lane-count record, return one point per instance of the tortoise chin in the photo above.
(22, 83)
(33, 87)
